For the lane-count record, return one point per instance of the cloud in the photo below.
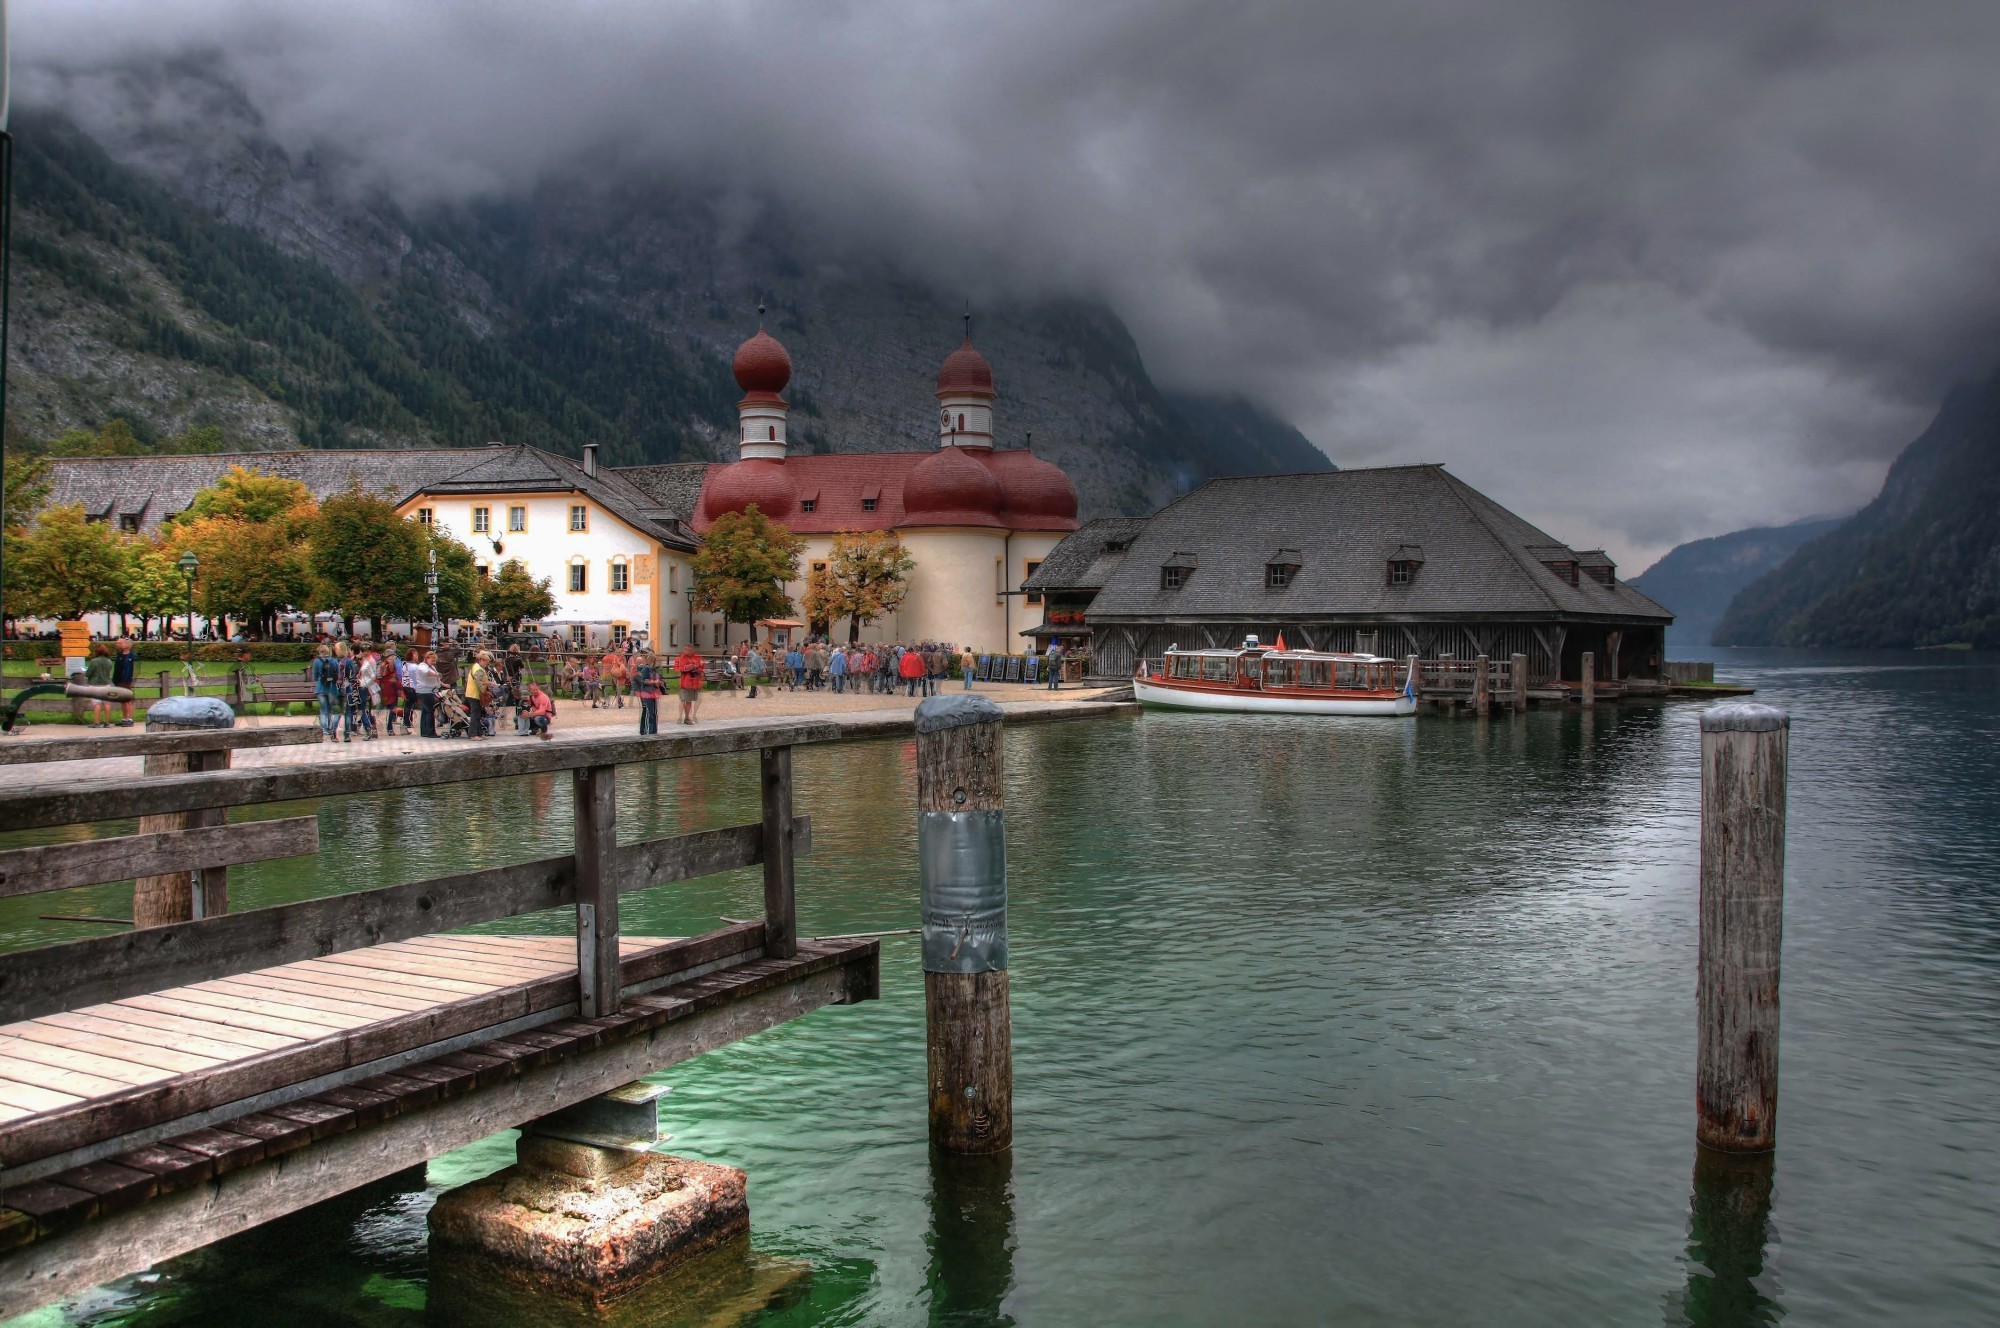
(1711, 230)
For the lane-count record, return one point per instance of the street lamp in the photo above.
(189, 565)
(431, 584)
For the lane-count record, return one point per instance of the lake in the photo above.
(1362, 1021)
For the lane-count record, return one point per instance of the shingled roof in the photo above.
(157, 487)
(1086, 558)
(1477, 558)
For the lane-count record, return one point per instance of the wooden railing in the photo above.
(590, 878)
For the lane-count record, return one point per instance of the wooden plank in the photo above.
(113, 799)
(299, 1011)
(30, 750)
(781, 909)
(120, 1021)
(168, 1004)
(110, 1118)
(349, 1007)
(59, 1077)
(17, 1094)
(236, 1046)
(148, 1055)
(405, 962)
(596, 799)
(482, 958)
(284, 983)
(94, 1063)
(702, 853)
(26, 871)
(434, 988)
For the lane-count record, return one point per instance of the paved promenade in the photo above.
(575, 719)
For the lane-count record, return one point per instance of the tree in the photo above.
(64, 565)
(742, 566)
(823, 601)
(870, 572)
(366, 560)
(27, 485)
(154, 587)
(114, 439)
(247, 494)
(514, 595)
(249, 569)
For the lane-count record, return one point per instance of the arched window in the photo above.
(774, 432)
(673, 634)
(961, 423)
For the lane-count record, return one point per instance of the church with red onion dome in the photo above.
(976, 519)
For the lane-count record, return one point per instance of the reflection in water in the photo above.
(971, 1238)
(1728, 1224)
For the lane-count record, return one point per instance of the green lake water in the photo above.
(1355, 1022)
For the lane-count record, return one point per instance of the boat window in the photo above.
(1315, 673)
(1185, 666)
(1278, 673)
(1218, 668)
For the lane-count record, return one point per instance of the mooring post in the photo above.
(1482, 699)
(596, 797)
(962, 857)
(1520, 668)
(1589, 679)
(174, 896)
(1743, 756)
(781, 907)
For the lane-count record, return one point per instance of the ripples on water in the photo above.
(1329, 1021)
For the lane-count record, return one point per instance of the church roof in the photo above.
(847, 490)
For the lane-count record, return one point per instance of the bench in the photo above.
(285, 688)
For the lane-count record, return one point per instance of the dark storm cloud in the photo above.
(1629, 246)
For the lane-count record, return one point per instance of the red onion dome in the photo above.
(733, 487)
(1035, 494)
(949, 488)
(761, 366)
(965, 374)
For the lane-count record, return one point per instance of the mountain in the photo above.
(1919, 566)
(1698, 579)
(177, 267)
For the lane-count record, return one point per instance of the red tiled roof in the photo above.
(837, 482)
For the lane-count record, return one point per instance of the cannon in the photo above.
(10, 708)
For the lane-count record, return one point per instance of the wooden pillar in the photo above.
(596, 796)
(164, 693)
(172, 897)
(1520, 664)
(968, 1025)
(1743, 757)
(242, 690)
(1482, 689)
(1589, 679)
(781, 907)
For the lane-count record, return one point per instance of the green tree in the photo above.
(250, 570)
(64, 565)
(514, 595)
(742, 566)
(870, 574)
(154, 587)
(27, 487)
(247, 494)
(366, 560)
(114, 439)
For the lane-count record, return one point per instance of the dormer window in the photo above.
(1281, 567)
(1176, 570)
(1402, 571)
(1564, 569)
(1603, 576)
(808, 504)
(867, 504)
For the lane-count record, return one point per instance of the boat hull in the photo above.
(1155, 696)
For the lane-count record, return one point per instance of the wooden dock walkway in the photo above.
(168, 1086)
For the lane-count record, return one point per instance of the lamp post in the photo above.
(189, 565)
(431, 584)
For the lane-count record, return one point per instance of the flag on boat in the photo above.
(1281, 639)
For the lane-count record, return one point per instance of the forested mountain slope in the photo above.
(1919, 566)
(175, 267)
(1697, 580)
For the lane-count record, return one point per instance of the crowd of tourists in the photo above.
(911, 668)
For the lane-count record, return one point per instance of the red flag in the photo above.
(1281, 640)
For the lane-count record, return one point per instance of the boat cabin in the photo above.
(1263, 669)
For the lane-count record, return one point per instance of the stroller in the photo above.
(452, 718)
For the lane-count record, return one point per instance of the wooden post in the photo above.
(1743, 757)
(172, 896)
(242, 690)
(968, 1025)
(1482, 689)
(1520, 665)
(781, 905)
(596, 789)
(163, 685)
(1589, 680)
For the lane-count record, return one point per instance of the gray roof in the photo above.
(157, 487)
(1478, 559)
(672, 488)
(1087, 555)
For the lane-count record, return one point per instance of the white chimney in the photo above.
(590, 459)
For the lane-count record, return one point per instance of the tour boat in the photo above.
(1262, 680)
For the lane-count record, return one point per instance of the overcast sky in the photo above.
(1643, 272)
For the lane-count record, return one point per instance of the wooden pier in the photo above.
(168, 1086)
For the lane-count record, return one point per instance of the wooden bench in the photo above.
(284, 689)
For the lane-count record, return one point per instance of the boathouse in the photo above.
(1395, 560)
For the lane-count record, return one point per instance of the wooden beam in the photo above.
(27, 871)
(135, 963)
(781, 909)
(110, 799)
(596, 890)
(29, 750)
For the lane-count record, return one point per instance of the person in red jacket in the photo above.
(541, 711)
(910, 668)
